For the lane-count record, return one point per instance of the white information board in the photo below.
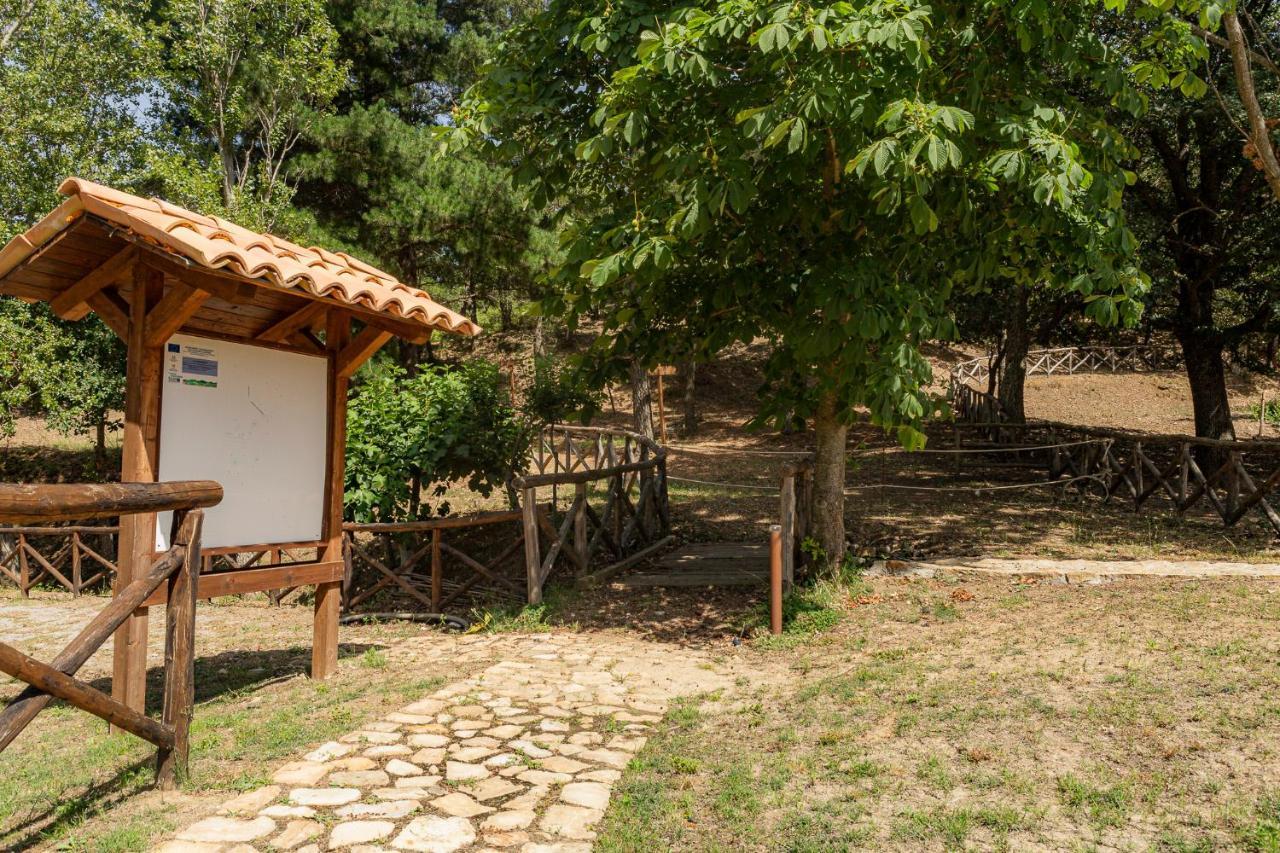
(253, 419)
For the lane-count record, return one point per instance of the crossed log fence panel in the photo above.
(416, 559)
(176, 568)
(619, 515)
(74, 564)
(1232, 478)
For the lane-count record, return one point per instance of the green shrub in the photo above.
(557, 394)
(407, 436)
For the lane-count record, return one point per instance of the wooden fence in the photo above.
(415, 559)
(1069, 360)
(625, 470)
(71, 562)
(177, 567)
(1232, 478)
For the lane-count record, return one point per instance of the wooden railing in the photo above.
(176, 567)
(415, 559)
(634, 522)
(74, 564)
(1069, 360)
(1233, 478)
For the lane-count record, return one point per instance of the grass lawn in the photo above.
(983, 714)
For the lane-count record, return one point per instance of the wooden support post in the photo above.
(787, 516)
(179, 652)
(140, 464)
(662, 409)
(775, 579)
(437, 572)
(580, 542)
(328, 607)
(532, 554)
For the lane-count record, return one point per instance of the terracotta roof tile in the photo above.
(218, 244)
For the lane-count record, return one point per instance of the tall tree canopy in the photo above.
(827, 174)
(367, 170)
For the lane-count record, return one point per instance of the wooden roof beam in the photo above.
(175, 309)
(295, 322)
(73, 303)
(112, 311)
(361, 348)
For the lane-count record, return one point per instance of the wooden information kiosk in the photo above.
(188, 293)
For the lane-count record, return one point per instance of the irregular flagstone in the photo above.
(300, 773)
(591, 795)
(360, 778)
(459, 804)
(296, 833)
(519, 779)
(324, 796)
(282, 811)
(435, 835)
(570, 821)
(359, 832)
(387, 809)
(228, 829)
(251, 801)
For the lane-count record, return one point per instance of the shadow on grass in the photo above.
(63, 814)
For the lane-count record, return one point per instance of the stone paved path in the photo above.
(522, 756)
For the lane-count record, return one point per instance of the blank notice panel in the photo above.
(252, 419)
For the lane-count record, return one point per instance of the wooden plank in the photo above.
(328, 605)
(532, 557)
(298, 320)
(111, 311)
(244, 581)
(139, 464)
(177, 306)
(639, 556)
(71, 304)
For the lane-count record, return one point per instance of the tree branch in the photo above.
(1260, 136)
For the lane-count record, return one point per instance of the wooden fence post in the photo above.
(532, 553)
(580, 542)
(787, 517)
(179, 652)
(437, 572)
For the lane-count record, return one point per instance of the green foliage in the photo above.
(244, 80)
(366, 170)
(72, 75)
(832, 176)
(558, 393)
(72, 374)
(407, 434)
(1268, 411)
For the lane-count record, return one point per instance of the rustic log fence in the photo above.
(416, 559)
(71, 561)
(176, 568)
(1232, 478)
(626, 470)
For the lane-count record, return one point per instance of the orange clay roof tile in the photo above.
(218, 244)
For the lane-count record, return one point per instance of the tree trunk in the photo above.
(690, 401)
(100, 445)
(1013, 368)
(641, 400)
(1206, 371)
(539, 338)
(827, 520)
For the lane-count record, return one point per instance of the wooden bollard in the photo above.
(775, 579)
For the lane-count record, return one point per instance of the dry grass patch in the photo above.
(1139, 715)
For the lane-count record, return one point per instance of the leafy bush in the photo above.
(557, 393)
(1268, 411)
(407, 435)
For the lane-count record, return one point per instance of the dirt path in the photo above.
(523, 755)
